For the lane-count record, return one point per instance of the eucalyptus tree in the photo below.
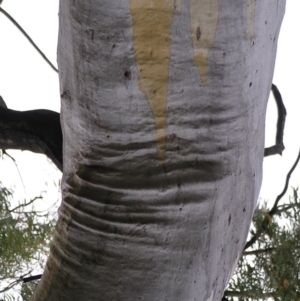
(162, 111)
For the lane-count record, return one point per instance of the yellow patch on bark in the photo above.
(204, 19)
(152, 42)
(250, 19)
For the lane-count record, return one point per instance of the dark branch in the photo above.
(38, 131)
(269, 250)
(248, 294)
(279, 146)
(27, 37)
(31, 278)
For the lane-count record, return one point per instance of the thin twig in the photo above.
(279, 197)
(12, 284)
(14, 161)
(28, 38)
(26, 204)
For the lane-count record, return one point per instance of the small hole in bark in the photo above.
(127, 74)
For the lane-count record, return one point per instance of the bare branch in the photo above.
(268, 250)
(258, 252)
(32, 278)
(38, 131)
(279, 146)
(249, 294)
(28, 38)
(16, 165)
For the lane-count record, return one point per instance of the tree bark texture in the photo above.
(163, 115)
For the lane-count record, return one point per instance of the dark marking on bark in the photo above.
(127, 75)
(66, 95)
(171, 137)
(198, 33)
(229, 219)
(92, 33)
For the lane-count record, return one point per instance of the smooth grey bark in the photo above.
(159, 191)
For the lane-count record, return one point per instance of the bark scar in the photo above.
(198, 33)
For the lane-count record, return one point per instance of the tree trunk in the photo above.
(163, 115)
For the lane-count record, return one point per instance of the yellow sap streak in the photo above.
(152, 42)
(204, 19)
(250, 19)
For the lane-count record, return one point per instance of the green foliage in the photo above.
(271, 268)
(24, 239)
(28, 289)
